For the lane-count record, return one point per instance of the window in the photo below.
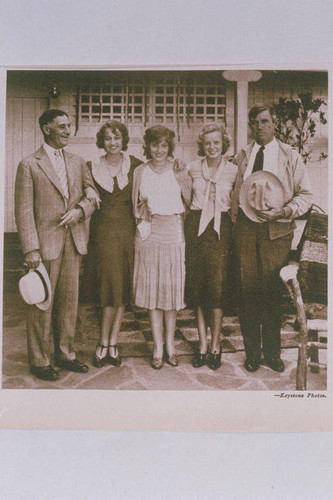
(155, 98)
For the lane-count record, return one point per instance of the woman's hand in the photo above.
(93, 196)
(144, 228)
(179, 165)
(71, 217)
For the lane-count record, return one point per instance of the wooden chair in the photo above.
(307, 285)
(312, 332)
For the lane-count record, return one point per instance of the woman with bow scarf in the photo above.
(208, 235)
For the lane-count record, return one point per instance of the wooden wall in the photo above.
(27, 98)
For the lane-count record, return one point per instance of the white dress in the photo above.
(159, 265)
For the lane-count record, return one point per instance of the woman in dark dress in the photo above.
(208, 239)
(110, 260)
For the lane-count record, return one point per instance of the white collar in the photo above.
(49, 150)
(102, 176)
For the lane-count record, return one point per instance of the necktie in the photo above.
(61, 171)
(259, 160)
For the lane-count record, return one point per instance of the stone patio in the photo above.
(136, 346)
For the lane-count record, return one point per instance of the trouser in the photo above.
(60, 318)
(259, 261)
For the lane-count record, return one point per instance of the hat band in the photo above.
(44, 285)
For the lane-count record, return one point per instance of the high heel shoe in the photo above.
(157, 363)
(100, 361)
(171, 360)
(214, 360)
(114, 360)
(199, 359)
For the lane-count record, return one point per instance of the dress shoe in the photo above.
(251, 365)
(275, 364)
(114, 360)
(157, 363)
(45, 372)
(73, 365)
(214, 361)
(199, 360)
(100, 360)
(172, 360)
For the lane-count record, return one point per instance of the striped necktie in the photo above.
(259, 160)
(61, 171)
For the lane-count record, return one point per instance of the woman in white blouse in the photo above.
(208, 239)
(159, 264)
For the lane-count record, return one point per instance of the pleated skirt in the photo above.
(159, 265)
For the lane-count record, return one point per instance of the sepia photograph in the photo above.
(166, 230)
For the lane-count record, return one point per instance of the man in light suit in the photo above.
(262, 248)
(50, 211)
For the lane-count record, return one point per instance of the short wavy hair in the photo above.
(208, 129)
(157, 133)
(114, 126)
(256, 110)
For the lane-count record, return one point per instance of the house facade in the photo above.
(181, 100)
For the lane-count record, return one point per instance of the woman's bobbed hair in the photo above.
(156, 134)
(114, 126)
(209, 128)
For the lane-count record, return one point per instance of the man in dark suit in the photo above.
(50, 211)
(262, 248)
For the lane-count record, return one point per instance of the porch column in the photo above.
(242, 79)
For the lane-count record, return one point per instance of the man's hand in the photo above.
(32, 259)
(272, 214)
(71, 217)
(178, 165)
(93, 196)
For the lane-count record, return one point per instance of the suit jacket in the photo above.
(40, 203)
(295, 182)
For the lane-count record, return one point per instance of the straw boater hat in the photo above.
(262, 190)
(35, 288)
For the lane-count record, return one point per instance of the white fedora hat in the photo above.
(261, 190)
(35, 288)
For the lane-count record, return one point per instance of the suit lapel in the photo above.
(71, 171)
(282, 161)
(247, 153)
(45, 164)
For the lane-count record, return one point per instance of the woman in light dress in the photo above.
(159, 194)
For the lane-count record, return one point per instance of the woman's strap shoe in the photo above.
(114, 360)
(172, 360)
(99, 361)
(199, 360)
(157, 363)
(214, 361)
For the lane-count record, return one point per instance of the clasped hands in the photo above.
(271, 214)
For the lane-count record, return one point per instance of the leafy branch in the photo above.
(296, 122)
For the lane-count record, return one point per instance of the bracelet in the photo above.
(284, 213)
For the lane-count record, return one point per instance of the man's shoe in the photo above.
(45, 372)
(275, 364)
(251, 365)
(73, 365)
